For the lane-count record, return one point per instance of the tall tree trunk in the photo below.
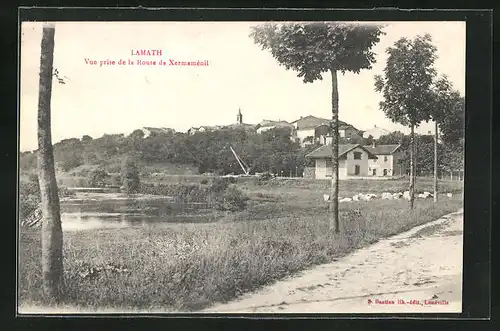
(412, 166)
(334, 194)
(52, 263)
(435, 162)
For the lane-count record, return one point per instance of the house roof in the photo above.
(383, 149)
(197, 128)
(158, 130)
(312, 122)
(325, 151)
(240, 125)
(268, 123)
(375, 132)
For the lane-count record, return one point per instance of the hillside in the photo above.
(173, 153)
(176, 153)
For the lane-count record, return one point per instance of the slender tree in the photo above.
(312, 49)
(407, 89)
(447, 114)
(52, 237)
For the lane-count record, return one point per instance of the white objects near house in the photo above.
(397, 196)
(369, 197)
(387, 196)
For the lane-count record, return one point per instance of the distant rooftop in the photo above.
(382, 149)
(325, 151)
(312, 122)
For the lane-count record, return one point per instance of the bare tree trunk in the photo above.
(52, 258)
(334, 194)
(436, 162)
(412, 166)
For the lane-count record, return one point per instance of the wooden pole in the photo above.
(435, 162)
(334, 192)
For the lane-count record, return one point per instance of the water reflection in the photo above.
(107, 210)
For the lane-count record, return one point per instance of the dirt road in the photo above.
(416, 271)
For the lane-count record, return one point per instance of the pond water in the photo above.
(114, 210)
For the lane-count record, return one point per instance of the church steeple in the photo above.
(239, 117)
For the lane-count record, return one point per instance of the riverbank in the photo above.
(188, 267)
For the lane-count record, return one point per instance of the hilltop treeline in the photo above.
(271, 151)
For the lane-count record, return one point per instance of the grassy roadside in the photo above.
(189, 267)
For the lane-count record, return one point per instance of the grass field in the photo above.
(186, 267)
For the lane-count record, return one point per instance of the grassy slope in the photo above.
(187, 267)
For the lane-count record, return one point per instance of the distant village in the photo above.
(355, 160)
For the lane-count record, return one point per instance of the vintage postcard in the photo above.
(241, 167)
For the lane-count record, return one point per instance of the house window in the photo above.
(385, 172)
(385, 158)
(357, 155)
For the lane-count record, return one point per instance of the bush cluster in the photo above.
(231, 199)
(220, 193)
(98, 177)
(130, 177)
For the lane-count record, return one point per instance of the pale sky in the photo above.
(118, 99)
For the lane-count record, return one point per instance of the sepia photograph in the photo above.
(241, 167)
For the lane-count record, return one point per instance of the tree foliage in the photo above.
(449, 112)
(407, 89)
(314, 48)
(98, 177)
(272, 151)
(407, 85)
(450, 155)
(130, 176)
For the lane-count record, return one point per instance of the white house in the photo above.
(353, 161)
(312, 129)
(387, 161)
(203, 128)
(147, 131)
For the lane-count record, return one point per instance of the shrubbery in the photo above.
(220, 194)
(115, 180)
(264, 178)
(219, 184)
(98, 177)
(232, 199)
(29, 198)
(130, 177)
(191, 192)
